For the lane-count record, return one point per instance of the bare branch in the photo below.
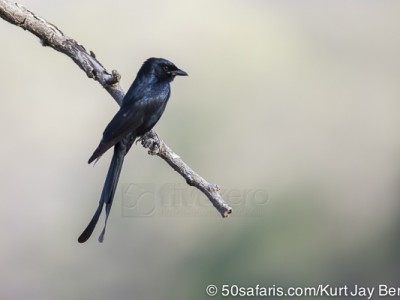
(157, 147)
(53, 37)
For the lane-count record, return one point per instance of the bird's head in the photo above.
(161, 68)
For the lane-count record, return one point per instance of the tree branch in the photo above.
(53, 37)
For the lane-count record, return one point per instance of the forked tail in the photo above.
(107, 194)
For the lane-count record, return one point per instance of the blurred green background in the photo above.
(291, 106)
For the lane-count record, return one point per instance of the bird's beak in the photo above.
(178, 72)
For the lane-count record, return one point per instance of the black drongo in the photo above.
(141, 108)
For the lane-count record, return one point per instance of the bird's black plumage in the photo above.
(141, 108)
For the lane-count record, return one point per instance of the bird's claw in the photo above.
(151, 141)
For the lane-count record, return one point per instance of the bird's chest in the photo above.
(154, 111)
(156, 100)
(155, 107)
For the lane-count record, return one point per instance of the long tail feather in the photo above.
(109, 188)
(107, 194)
(111, 183)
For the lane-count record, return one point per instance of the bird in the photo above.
(141, 108)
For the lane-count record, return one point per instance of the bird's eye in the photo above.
(166, 69)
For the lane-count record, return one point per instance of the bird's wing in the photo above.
(130, 117)
(127, 119)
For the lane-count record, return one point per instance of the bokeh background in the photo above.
(292, 107)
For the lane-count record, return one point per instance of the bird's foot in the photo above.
(151, 141)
